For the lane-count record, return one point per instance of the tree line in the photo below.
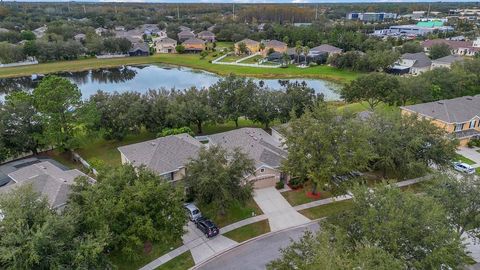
(54, 113)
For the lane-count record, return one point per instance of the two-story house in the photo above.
(252, 46)
(458, 116)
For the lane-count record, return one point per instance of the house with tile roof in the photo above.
(165, 45)
(47, 179)
(207, 36)
(457, 47)
(194, 45)
(185, 35)
(325, 48)
(458, 116)
(416, 63)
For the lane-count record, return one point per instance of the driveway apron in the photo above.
(280, 213)
(202, 247)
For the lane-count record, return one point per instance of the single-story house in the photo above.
(149, 29)
(165, 45)
(139, 49)
(185, 35)
(416, 63)
(266, 152)
(134, 35)
(276, 45)
(194, 45)
(458, 47)
(251, 45)
(325, 48)
(46, 179)
(167, 156)
(207, 36)
(458, 116)
(446, 61)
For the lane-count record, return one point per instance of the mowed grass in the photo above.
(327, 209)
(186, 60)
(182, 262)
(234, 213)
(158, 249)
(463, 159)
(249, 231)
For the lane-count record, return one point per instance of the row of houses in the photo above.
(417, 63)
(253, 46)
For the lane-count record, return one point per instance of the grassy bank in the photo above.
(186, 60)
(249, 231)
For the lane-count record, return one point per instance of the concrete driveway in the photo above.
(202, 247)
(280, 213)
(470, 153)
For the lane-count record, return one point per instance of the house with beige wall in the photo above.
(458, 116)
(251, 45)
(276, 45)
(169, 155)
(164, 45)
(194, 45)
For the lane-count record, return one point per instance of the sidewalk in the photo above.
(191, 242)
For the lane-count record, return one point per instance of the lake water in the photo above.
(143, 78)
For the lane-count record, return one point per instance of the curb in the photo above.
(254, 239)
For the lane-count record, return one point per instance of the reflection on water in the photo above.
(143, 78)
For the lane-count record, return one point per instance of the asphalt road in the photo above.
(256, 254)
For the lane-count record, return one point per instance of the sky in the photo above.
(254, 1)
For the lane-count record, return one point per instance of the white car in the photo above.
(463, 167)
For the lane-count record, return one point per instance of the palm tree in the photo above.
(298, 50)
(306, 50)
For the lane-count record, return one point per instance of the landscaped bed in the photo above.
(303, 195)
(463, 159)
(327, 209)
(249, 231)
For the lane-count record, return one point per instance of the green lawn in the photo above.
(224, 44)
(298, 197)
(231, 58)
(326, 210)
(182, 262)
(415, 188)
(233, 214)
(357, 107)
(187, 60)
(158, 249)
(106, 151)
(463, 159)
(249, 231)
(252, 60)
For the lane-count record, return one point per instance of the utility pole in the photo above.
(178, 13)
(316, 12)
(233, 11)
(84, 9)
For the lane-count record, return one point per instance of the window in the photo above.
(472, 124)
(262, 170)
(459, 127)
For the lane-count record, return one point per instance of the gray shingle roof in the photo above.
(275, 43)
(457, 110)
(255, 142)
(421, 59)
(326, 48)
(450, 59)
(47, 179)
(248, 42)
(164, 154)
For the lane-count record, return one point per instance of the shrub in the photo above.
(296, 183)
(279, 185)
(474, 142)
(175, 131)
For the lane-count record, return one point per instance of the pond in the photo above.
(143, 78)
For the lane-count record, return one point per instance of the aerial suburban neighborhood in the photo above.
(239, 135)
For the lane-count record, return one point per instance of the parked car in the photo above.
(463, 167)
(193, 212)
(207, 227)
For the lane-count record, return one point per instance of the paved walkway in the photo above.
(276, 209)
(470, 153)
(280, 213)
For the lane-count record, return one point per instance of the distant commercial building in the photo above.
(371, 16)
(413, 30)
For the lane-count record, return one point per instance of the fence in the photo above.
(105, 56)
(78, 158)
(17, 64)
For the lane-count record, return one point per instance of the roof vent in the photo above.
(469, 98)
(440, 102)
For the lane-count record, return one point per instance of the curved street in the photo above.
(256, 254)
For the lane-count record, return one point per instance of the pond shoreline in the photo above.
(191, 61)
